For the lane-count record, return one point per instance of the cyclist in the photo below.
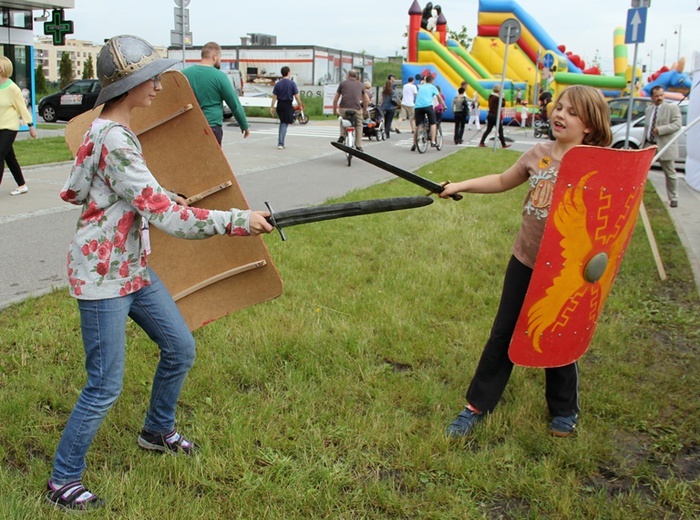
(424, 106)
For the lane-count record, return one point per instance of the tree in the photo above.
(461, 37)
(40, 80)
(88, 71)
(65, 70)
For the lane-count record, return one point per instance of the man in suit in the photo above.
(662, 121)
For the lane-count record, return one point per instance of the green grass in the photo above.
(331, 401)
(41, 151)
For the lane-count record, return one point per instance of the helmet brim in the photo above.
(134, 79)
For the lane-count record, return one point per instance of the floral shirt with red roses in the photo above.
(120, 198)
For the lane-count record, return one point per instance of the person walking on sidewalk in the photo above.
(492, 119)
(408, 102)
(284, 93)
(212, 87)
(460, 109)
(108, 270)
(390, 103)
(474, 114)
(12, 108)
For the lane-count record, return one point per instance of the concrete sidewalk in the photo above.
(686, 218)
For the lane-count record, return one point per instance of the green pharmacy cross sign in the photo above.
(58, 27)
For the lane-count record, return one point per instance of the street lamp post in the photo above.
(664, 46)
(677, 30)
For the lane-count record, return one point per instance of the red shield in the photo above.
(594, 209)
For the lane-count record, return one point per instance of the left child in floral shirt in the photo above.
(108, 267)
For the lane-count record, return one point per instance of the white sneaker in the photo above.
(280, 147)
(20, 191)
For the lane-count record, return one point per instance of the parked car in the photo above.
(636, 139)
(620, 106)
(73, 100)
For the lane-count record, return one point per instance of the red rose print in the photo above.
(158, 203)
(141, 202)
(103, 156)
(93, 213)
(68, 196)
(94, 245)
(84, 151)
(124, 269)
(104, 250)
(125, 290)
(200, 213)
(102, 268)
(123, 227)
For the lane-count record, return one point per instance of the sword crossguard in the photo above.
(273, 222)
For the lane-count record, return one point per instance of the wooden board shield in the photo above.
(208, 278)
(594, 208)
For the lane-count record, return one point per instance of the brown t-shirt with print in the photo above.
(541, 170)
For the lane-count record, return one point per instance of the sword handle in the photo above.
(454, 196)
(271, 220)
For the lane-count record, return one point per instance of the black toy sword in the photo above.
(432, 187)
(294, 217)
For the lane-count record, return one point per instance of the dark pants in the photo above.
(460, 120)
(495, 366)
(218, 132)
(388, 118)
(7, 155)
(490, 123)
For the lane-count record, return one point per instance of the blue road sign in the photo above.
(636, 25)
(548, 61)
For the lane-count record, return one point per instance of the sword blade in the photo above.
(295, 217)
(432, 187)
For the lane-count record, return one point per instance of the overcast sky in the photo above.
(377, 26)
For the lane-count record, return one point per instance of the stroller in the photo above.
(374, 125)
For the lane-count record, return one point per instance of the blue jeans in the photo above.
(103, 324)
(282, 134)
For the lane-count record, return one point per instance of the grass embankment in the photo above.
(42, 150)
(331, 401)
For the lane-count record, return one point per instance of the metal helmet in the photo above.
(125, 62)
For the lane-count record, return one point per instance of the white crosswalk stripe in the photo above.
(303, 131)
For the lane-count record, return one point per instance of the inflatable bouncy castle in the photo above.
(535, 63)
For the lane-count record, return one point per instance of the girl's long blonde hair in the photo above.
(590, 106)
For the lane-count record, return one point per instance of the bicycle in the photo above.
(349, 125)
(423, 135)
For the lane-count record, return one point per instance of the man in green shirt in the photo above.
(211, 86)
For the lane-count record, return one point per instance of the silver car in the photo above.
(637, 133)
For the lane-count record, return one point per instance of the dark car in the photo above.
(73, 100)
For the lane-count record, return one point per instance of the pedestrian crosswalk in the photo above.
(298, 130)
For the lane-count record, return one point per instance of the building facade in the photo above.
(49, 56)
(17, 38)
(260, 64)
